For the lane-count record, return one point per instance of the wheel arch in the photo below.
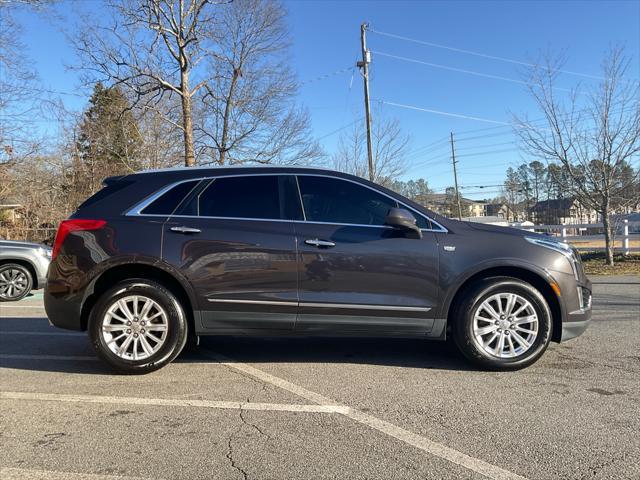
(122, 271)
(539, 280)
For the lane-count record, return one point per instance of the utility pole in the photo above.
(364, 66)
(455, 177)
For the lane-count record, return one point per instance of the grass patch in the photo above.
(594, 264)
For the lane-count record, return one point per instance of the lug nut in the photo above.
(135, 335)
(129, 322)
(142, 331)
(128, 330)
(143, 323)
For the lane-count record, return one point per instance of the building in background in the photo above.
(562, 211)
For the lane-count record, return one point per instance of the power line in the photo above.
(480, 54)
(490, 152)
(327, 75)
(440, 112)
(462, 70)
(339, 129)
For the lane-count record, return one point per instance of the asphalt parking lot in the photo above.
(241, 408)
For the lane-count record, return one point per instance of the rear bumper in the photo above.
(62, 311)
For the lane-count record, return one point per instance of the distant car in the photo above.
(23, 267)
(157, 257)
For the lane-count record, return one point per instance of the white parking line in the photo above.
(324, 405)
(39, 307)
(169, 402)
(29, 474)
(9, 356)
(53, 334)
(418, 441)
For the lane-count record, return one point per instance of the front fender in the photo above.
(498, 266)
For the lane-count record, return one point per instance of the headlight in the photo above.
(45, 252)
(560, 247)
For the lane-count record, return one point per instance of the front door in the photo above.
(357, 275)
(234, 241)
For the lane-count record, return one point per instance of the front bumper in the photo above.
(576, 299)
(574, 329)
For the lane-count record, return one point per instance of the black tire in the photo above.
(177, 329)
(471, 301)
(8, 268)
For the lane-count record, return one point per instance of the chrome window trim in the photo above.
(136, 210)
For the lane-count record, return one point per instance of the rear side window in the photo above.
(243, 197)
(166, 203)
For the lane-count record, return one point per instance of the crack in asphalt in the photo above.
(229, 455)
(240, 470)
(253, 425)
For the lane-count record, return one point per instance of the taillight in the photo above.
(73, 225)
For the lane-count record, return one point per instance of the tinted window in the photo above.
(105, 192)
(243, 197)
(166, 203)
(338, 201)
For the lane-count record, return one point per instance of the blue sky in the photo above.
(325, 38)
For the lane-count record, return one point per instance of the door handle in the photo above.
(315, 242)
(183, 229)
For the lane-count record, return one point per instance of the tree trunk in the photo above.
(187, 122)
(608, 233)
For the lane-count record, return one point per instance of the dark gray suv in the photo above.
(156, 259)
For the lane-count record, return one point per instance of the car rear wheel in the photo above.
(138, 326)
(502, 324)
(15, 282)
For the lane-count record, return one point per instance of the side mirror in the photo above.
(403, 220)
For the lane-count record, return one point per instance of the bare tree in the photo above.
(390, 147)
(152, 47)
(593, 144)
(247, 110)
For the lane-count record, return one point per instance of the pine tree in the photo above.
(109, 142)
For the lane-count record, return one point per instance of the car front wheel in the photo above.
(15, 282)
(503, 324)
(137, 326)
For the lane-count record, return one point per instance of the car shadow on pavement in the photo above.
(73, 354)
(414, 353)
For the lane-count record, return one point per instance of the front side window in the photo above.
(332, 200)
(243, 197)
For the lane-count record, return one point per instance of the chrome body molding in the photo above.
(253, 302)
(321, 305)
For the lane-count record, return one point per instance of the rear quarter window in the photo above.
(167, 203)
(104, 193)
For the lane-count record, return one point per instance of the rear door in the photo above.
(357, 275)
(233, 238)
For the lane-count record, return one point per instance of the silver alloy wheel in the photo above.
(13, 283)
(505, 325)
(135, 327)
